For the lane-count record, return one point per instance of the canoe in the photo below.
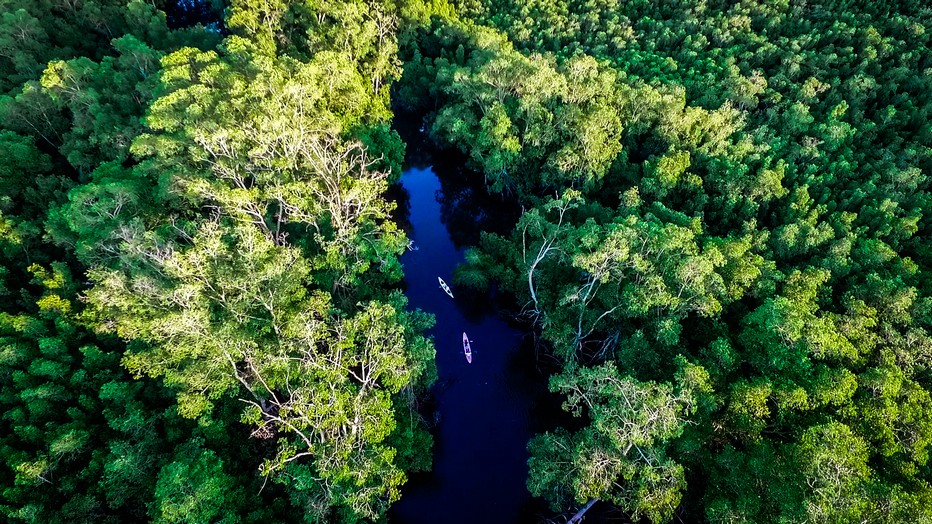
(467, 349)
(445, 287)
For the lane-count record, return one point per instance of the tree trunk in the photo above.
(577, 518)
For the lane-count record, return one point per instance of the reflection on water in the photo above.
(466, 208)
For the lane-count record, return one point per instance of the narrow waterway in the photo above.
(481, 412)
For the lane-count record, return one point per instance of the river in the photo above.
(484, 411)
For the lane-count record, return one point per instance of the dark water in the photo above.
(484, 413)
(484, 410)
(187, 13)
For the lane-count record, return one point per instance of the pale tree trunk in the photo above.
(577, 518)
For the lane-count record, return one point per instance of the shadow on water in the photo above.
(187, 13)
(466, 208)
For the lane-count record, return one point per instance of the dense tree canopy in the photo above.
(750, 206)
(222, 202)
(723, 241)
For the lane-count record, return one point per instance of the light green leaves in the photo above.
(258, 273)
(621, 455)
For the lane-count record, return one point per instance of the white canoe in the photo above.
(445, 287)
(467, 349)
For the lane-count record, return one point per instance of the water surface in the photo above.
(482, 418)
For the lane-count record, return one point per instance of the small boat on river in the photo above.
(445, 287)
(467, 349)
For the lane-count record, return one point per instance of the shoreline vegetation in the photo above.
(723, 244)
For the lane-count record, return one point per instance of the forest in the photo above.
(722, 252)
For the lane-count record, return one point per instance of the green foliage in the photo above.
(620, 457)
(723, 240)
(761, 219)
(29, 186)
(527, 125)
(105, 101)
(193, 488)
(34, 33)
(80, 437)
(221, 206)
